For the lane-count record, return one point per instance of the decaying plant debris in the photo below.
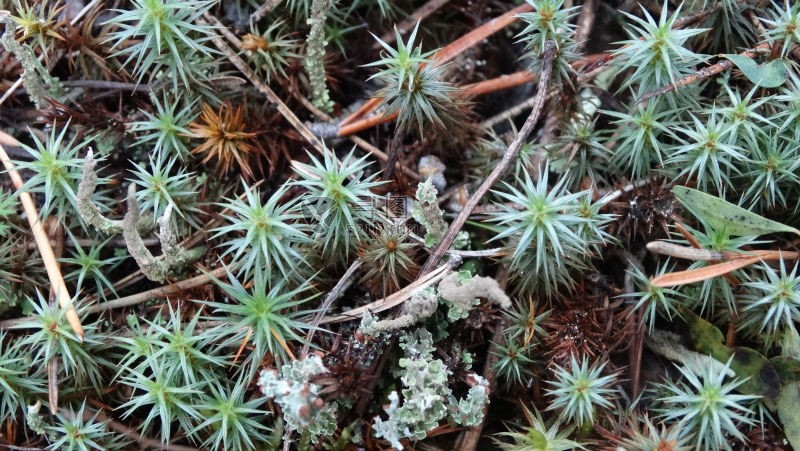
(443, 224)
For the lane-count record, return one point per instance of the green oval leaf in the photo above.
(788, 368)
(767, 75)
(759, 375)
(789, 413)
(720, 214)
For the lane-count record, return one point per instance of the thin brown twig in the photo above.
(52, 384)
(21, 448)
(106, 84)
(379, 154)
(56, 232)
(87, 242)
(392, 300)
(700, 75)
(637, 345)
(326, 304)
(509, 156)
(160, 292)
(509, 113)
(608, 197)
(585, 22)
(393, 151)
(138, 298)
(263, 10)
(751, 16)
(42, 240)
(133, 435)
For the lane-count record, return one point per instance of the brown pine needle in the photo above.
(731, 261)
(445, 54)
(700, 274)
(283, 344)
(689, 237)
(244, 343)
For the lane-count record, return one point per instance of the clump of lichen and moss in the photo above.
(318, 223)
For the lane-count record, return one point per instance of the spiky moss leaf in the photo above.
(578, 391)
(539, 436)
(164, 35)
(783, 25)
(271, 310)
(56, 171)
(707, 408)
(790, 414)
(264, 234)
(655, 51)
(763, 378)
(415, 88)
(337, 203)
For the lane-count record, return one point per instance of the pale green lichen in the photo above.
(303, 409)
(35, 420)
(426, 398)
(460, 291)
(34, 75)
(420, 306)
(89, 211)
(462, 240)
(469, 411)
(315, 55)
(426, 211)
(174, 256)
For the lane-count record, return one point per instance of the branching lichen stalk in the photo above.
(90, 212)
(315, 54)
(34, 74)
(131, 227)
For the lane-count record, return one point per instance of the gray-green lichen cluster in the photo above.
(459, 291)
(315, 55)
(426, 211)
(34, 74)
(303, 409)
(426, 398)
